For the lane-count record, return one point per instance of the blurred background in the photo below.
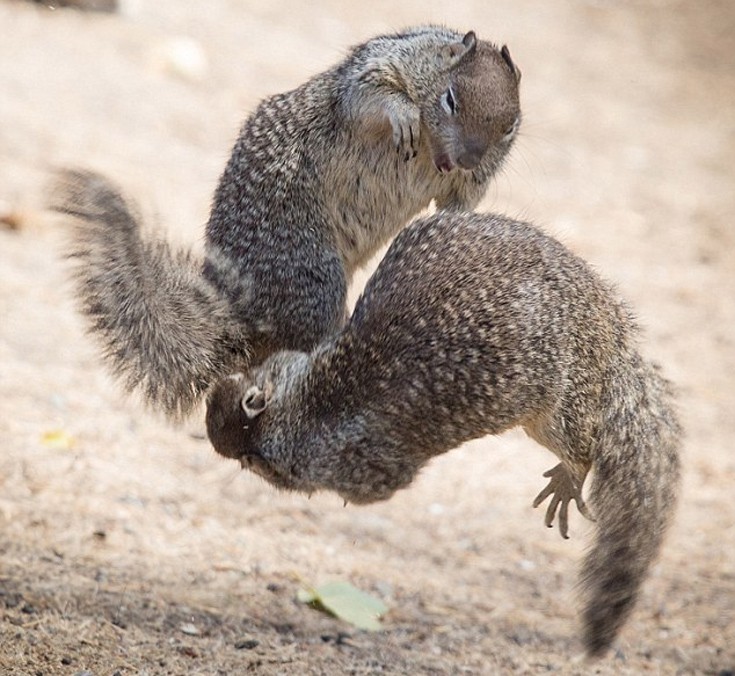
(116, 531)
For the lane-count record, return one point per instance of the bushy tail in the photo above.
(633, 496)
(164, 329)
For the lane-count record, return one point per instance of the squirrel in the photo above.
(473, 324)
(319, 179)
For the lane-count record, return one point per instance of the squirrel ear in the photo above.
(505, 53)
(453, 53)
(254, 402)
(470, 40)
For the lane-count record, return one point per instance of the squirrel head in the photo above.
(233, 407)
(239, 410)
(476, 107)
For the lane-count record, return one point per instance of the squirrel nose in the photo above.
(471, 154)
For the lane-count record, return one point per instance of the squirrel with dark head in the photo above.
(319, 179)
(473, 324)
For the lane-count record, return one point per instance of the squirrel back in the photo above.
(473, 324)
(319, 178)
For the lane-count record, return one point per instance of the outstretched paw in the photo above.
(564, 488)
(405, 121)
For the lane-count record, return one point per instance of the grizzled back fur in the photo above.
(473, 324)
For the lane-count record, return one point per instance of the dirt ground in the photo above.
(128, 547)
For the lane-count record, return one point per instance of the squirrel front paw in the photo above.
(564, 489)
(405, 121)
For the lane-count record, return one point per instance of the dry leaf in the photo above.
(58, 439)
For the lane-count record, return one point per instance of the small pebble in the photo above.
(437, 509)
(183, 57)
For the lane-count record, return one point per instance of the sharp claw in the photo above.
(548, 517)
(564, 519)
(405, 120)
(551, 511)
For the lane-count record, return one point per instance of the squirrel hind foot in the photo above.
(563, 488)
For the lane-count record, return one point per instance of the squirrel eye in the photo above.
(511, 130)
(448, 102)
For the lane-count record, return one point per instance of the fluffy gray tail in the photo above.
(165, 330)
(633, 496)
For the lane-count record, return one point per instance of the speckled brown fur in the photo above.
(473, 324)
(319, 178)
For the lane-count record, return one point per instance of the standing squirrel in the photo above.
(473, 324)
(319, 179)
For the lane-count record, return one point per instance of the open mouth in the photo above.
(443, 163)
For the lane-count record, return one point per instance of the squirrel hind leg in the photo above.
(563, 487)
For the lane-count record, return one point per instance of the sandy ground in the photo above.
(128, 547)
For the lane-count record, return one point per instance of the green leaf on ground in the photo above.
(347, 603)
